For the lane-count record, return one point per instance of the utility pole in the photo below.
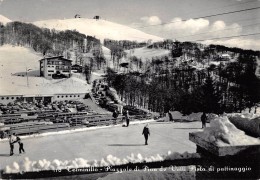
(27, 78)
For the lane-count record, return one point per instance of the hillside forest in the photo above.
(163, 83)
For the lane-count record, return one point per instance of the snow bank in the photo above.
(253, 109)
(247, 116)
(222, 133)
(185, 155)
(192, 117)
(26, 165)
(250, 123)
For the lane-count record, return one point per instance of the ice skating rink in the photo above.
(98, 143)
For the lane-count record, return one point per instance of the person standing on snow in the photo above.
(12, 139)
(146, 133)
(115, 115)
(170, 116)
(21, 149)
(127, 118)
(203, 119)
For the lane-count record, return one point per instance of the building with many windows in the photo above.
(5, 99)
(54, 67)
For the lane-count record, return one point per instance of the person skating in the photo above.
(127, 118)
(170, 117)
(146, 133)
(12, 139)
(203, 120)
(21, 149)
(115, 115)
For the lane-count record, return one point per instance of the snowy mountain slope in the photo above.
(15, 60)
(99, 28)
(4, 19)
(146, 53)
(106, 52)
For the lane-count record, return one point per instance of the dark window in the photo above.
(58, 96)
(66, 96)
(17, 97)
(78, 95)
(61, 96)
(12, 97)
(7, 98)
(50, 71)
(74, 95)
(2, 98)
(49, 74)
(70, 95)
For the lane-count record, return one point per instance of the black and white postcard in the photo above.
(133, 89)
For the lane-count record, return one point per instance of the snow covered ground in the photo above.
(99, 143)
(15, 60)
(146, 53)
(223, 133)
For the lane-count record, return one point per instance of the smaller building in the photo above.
(76, 68)
(223, 57)
(57, 66)
(5, 99)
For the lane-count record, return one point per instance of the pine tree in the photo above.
(210, 97)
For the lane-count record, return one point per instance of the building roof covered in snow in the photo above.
(56, 57)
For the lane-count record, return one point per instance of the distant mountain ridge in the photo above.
(100, 28)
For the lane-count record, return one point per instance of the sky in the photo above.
(148, 15)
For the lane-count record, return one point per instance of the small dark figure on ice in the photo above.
(146, 133)
(12, 139)
(203, 119)
(21, 149)
(170, 117)
(126, 115)
(115, 115)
